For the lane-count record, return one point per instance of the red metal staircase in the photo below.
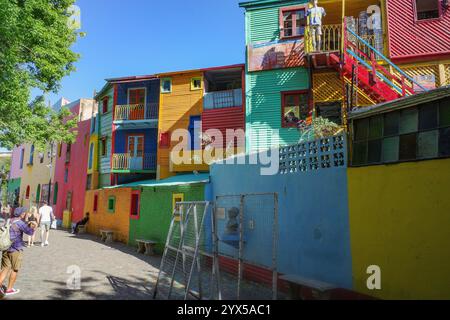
(362, 65)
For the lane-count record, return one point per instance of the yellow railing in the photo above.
(330, 38)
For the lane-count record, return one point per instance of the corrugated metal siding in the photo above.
(150, 140)
(175, 111)
(407, 38)
(263, 24)
(106, 131)
(263, 110)
(223, 119)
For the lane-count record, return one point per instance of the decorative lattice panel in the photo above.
(413, 71)
(327, 87)
(326, 153)
(447, 75)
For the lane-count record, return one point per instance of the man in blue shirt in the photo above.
(315, 15)
(12, 259)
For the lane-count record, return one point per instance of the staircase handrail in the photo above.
(385, 59)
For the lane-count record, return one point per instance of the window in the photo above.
(93, 124)
(22, 156)
(105, 103)
(134, 211)
(295, 108)
(31, 156)
(27, 194)
(91, 156)
(331, 111)
(55, 194)
(195, 130)
(178, 197)
(111, 204)
(427, 9)
(66, 175)
(415, 133)
(68, 152)
(164, 140)
(292, 22)
(103, 147)
(166, 85)
(88, 182)
(136, 96)
(95, 203)
(59, 150)
(69, 201)
(196, 83)
(38, 194)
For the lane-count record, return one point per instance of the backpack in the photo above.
(5, 240)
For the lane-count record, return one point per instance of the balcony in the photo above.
(222, 99)
(126, 163)
(136, 116)
(330, 40)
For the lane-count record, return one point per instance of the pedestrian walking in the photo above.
(32, 216)
(12, 258)
(46, 217)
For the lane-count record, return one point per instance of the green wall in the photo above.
(156, 212)
(13, 184)
(264, 105)
(263, 88)
(106, 121)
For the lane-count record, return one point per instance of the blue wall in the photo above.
(314, 239)
(152, 91)
(150, 140)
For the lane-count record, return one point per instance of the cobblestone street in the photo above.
(107, 272)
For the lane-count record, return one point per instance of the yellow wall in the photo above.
(37, 174)
(174, 112)
(399, 220)
(119, 221)
(439, 68)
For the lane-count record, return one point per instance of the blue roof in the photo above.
(179, 180)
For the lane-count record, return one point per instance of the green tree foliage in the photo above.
(35, 54)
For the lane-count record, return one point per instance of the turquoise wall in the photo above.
(106, 131)
(263, 88)
(314, 235)
(263, 110)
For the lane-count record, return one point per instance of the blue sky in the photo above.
(140, 37)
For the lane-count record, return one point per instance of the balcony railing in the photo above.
(223, 99)
(330, 39)
(133, 112)
(127, 162)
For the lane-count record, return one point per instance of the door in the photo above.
(136, 99)
(136, 152)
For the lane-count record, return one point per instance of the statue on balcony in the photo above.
(315, 15)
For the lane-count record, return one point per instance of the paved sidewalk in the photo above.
(113, 272)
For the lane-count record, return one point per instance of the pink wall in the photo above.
(16, 172)
(77, 168)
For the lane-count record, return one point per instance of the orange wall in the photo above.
(119, 221)
(175, 110)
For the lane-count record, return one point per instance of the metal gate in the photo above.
(252, 245)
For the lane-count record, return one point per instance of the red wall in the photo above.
(77, 173)
(223, 119)
(410, 40)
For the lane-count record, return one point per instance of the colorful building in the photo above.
(109, 209)
(369, 35)
(69, 185)
(198, 101)
(15, 175)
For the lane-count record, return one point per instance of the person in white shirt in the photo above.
(46, 217)
(315, 15)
